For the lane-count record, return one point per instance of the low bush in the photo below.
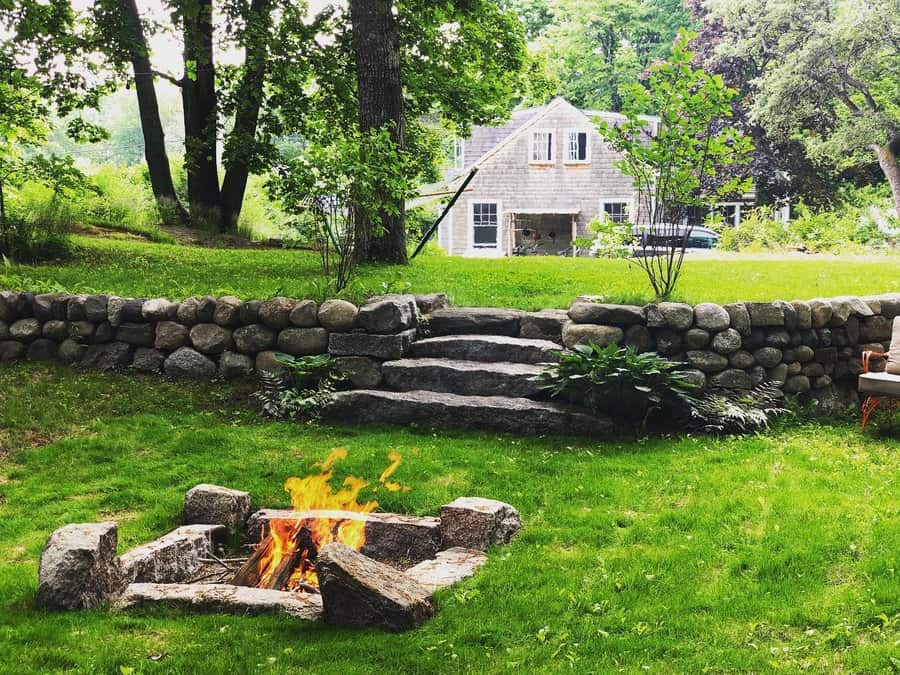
(305, 385)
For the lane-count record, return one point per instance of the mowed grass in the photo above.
(149, 269)
(668, 555)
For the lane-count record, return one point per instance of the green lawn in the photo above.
(150, 269)
(672, 555)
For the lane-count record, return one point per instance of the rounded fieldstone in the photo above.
(171, 336)
(821, 313)
(778, 373)
(639, 338)
(254, 338)
(47, 306)
(70, 351)
(710, 316)
(139, 334)
(726, 342)
(803, 353)
(337, 315)
(210, 338)
(791, 320)
(187, 311)
(696, 338)
(812, 369)
(804, 314)
(794, 368)
(233, 365)
(606, 314)
(114, 307)
(188, 363)
(778, 337)
(694, 377)
(668, 342)
(678, 315)
(768, 357)
(755, 340)
(821, 382)
(809, 338)
(104, 332)
(228, 311)
(757, 375)
(708, 362)
(825, 337)
(739, 317)
(132, 311)
(841, 309)
(10, 350)
(25, 330)
(75, 310)
(303, 341)
(765, 314)
(250, 312)
(741, 359)
(267, 361)
(583, 333)
(796, 384)
(54, 330)
(733, 378)
(159, 309)
(305, 314)
(276, 312)
(148, 360)
(25, 305)
(42, 349)
(82, 331)
(653, 317)
(206, 309)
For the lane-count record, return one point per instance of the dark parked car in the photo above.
(665, 235)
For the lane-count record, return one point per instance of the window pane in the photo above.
(485, 235)
(542, 146)
(616, 211)
(582, 146)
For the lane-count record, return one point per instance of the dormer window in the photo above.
(542, 147)
(578, 150)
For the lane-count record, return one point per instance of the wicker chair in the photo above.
(882, 387)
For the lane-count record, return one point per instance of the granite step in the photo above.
(472, 378)
(491, 348)
(474, 321)
(443, 410)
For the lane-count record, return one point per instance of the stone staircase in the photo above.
(473, 371)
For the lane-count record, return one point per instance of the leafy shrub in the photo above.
(302, 389)
(611, 239)
(727, 411)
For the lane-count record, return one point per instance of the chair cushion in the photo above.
(893, 359)
(879, 384)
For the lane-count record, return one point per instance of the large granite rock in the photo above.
(765, 314)
(171, 336)
(303, 341)
(276, 312)
(25, 330)
(546, 324)
(228, 311)
(189, 364)
(447, 568)
(172, 558)
(305, 314)
(42, 349)
(726, 342)
(11, 350)
(79, 568)
(582, 333)
(210, 338)
(53, 329)
(159, 309)
(385, 347)
(337, 315)
(603, 313)
(148, 360)
(707, 361)
(233, 365)
(474, 321)
(254, 338)
(711, 317)
(476, 523)
(677, 315)
(137, 334)
(216, 505)
(388, 314)
(739, 317)
(108, 356)
(362, 371)
(361, 592)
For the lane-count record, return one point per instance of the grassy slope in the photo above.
(138, 268)
(675, 555)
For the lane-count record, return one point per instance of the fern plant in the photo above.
(302, 389)
(736, 412)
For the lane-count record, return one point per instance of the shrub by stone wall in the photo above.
(203, 337)
(805, 345)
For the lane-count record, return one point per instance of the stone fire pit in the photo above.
(388, 583)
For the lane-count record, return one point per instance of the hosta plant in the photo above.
(304, 386)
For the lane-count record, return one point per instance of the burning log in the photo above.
(298, 551)
(250, 572)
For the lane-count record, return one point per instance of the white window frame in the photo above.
(459, 153)
(485, 247)
(568, 145)
(629, 205)
(552, 147)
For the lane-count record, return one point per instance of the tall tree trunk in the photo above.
(199, 101)
(151, 125)
(376, 45)
(890, 164)
(240, 142)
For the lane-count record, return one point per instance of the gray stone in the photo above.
(82, 331)
(821, 382)
(791, 319)
(476, 523)
(765, 314)
(42, 349)
(793, 368)
(742, 359)
(604, 313)
(233, 365)
(96, 308)
(148, 360)
(50, 306)
(74, 308)
(825, 337)
(305, 314)
(447, 568)
(739, 317)
(841, 309)
(707, 361)
(7, 307)
(546, 324)
(726, 342)
(363, 372)
(653, 317)
(79, 568)
(463, 377)
(159, 309)
(228, 311)
(821, 313)
(890, 306)
(768, 357)
(190, 364)
(804, 314)
(711, 317)
(377, 346)
(639, 338)
(24, 304)
(187, 311)
(104, 332)
(778, 337)
(732, 378)
(132, 311)
(584, 333)
(267, 361)
(54, 330)
(757, 375)
(825, 355)
(172, 558)
(796, 384)
(210, 338)
(216, 505)
(138, 334)
(25, 330)
(812, 369)
(430, 302)
(250, 312)
(171, 336)
(803, 353)
(254, 338)
(755, 340)
(70, 351)
(778, 374)
(474, 321)
(389, 315)
(337, 315)
(223, 599)
(4, 331)
(107, 356)
(678, 315)
(853, 329)
(492, 348)
(114, 307)
(303, 341)
(361, 592)
(696, 338)
(875, 329)
(206, 309)
(668, 342)
(695, 378)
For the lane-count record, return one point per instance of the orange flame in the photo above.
(315, 493)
